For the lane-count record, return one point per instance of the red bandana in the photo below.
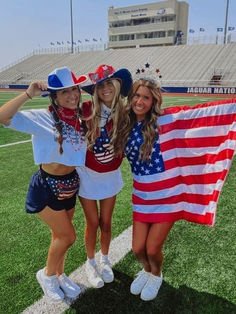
(68, 115)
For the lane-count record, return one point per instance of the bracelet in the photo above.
(28, 95)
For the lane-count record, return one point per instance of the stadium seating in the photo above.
(183, 65)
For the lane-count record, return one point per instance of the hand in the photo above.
(37, 88)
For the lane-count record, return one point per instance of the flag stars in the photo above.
(101, 142)
(139, 167)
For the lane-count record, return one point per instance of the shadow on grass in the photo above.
(116, 298)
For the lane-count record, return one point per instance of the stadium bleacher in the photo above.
(183, 65)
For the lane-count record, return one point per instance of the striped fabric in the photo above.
(197, 144)
(106, 156)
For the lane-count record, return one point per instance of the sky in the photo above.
(26, 25)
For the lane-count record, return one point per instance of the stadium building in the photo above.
(162, 23)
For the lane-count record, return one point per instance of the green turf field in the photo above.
(199, 267)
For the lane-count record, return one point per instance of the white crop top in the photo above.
(41, 125)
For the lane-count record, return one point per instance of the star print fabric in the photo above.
(101, 157)
(139, 167)
(103, 151)
(67, 186)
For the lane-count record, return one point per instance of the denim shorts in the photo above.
(40, 195)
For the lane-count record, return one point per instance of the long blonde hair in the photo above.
(117, 110)
(150, 125)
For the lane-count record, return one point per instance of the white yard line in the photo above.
(119, 247)
(15, 143)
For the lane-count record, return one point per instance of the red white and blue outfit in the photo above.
(41, 125)
(189, 163)
(101, 177)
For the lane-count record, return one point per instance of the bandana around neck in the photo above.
(67, 115)
(105, 115)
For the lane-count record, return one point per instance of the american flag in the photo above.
(197, 145)
(103, 151)
(138, 166)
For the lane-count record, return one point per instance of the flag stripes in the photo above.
(207, 178)
(106, 156)
(197, 145)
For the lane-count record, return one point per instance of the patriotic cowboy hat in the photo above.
(105, 72)
(63, 78)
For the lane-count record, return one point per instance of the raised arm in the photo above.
(8, 110)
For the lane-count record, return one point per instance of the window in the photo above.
(126, 37)
(113, 38)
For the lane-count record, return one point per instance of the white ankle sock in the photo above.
(91, 261)
(104, 257)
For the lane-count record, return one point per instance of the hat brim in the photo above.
(123, 75)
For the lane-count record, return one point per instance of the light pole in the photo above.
(71, 27)
(226, 20)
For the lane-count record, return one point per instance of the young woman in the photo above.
(179, 158)
(58, 147)
(101, 179)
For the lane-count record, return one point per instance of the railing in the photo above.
(57, 50)
(193, 39)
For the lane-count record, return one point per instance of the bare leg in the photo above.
(106, 211)
(61, 265)
(140, 234)
(63, 237)
(157, 235)
(92, 222)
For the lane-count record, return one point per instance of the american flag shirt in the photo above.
(139, 167)
(103, 151)
(101, 157)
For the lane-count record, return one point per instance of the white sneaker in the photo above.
(151, 288)
(106, 270)
(93, 274)
(138, 283)
(71, 289)
(50, 286)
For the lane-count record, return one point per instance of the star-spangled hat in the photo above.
(63, 78)
(104, 72)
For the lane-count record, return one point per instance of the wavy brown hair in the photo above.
(150, 125)
(117, 111)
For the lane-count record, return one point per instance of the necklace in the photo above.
(105, 115)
